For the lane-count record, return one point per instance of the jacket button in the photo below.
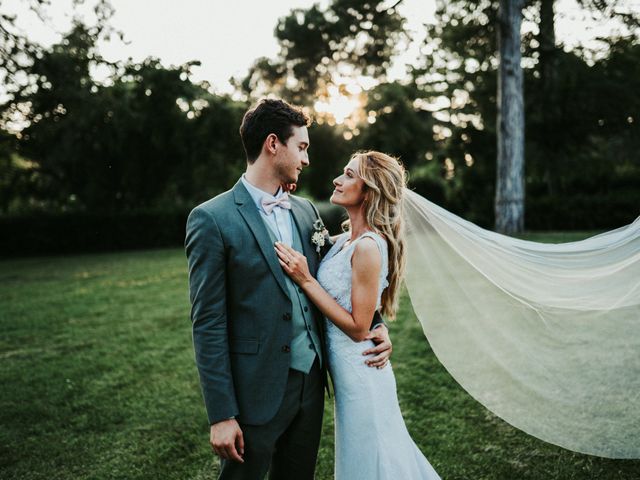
(306, 309)
(286, 317)
(286, 348)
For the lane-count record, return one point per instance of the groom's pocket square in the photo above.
(244, 345)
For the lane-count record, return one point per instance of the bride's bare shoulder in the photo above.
(366, 254)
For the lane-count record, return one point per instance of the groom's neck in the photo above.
(262, 178)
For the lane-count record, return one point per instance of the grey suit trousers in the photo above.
(287, 445)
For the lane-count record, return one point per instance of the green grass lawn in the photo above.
(98, 381)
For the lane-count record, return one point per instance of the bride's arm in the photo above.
(366, 263)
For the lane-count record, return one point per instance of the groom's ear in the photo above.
(271, 143)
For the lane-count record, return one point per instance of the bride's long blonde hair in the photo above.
(384, 182)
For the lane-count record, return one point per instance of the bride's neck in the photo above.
(358, 223)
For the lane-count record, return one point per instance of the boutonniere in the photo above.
(319, 236)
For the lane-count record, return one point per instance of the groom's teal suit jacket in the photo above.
(241, 310)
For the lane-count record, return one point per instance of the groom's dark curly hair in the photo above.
(269, 116)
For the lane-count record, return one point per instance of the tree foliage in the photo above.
(347, 38)
(567, 133)
(145, 138)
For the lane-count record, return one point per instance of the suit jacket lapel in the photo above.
(304, 224)
(303, 220)
(251, 215)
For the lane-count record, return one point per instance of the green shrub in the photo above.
(48, 233)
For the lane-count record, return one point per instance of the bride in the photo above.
(360, 275)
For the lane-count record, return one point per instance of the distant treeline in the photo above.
(87, 165)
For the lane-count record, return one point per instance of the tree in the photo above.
(146, 138)
(17, 50)
(568, 166)
(318, 45)
(509, 203)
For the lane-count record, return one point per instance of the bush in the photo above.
(581, 212)
(48, 233)
(64, 233)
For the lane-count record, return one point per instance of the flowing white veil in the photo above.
(546, 336)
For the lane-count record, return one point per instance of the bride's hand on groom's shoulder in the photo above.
(293, 263)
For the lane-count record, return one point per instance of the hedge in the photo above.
(63, 233)
(39, 234)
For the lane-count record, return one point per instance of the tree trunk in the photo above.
(509, 202)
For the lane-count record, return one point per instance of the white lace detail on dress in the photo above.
(334, 274)
(335, 271)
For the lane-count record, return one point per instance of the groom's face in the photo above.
(291, 158)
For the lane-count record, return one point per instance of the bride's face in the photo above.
(349, 189)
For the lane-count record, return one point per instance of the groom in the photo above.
(259, 342)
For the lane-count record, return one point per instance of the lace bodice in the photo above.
(334, 273)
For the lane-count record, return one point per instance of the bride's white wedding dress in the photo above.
(371, 439)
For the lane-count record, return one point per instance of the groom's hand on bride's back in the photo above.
(227, 441)
(382, 350)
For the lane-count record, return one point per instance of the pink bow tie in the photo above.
(282, 201)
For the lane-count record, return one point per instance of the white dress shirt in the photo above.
(279, 220)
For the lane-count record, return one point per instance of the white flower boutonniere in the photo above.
(319, 235)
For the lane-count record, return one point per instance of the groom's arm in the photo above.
(377, 320)
(207, 291)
